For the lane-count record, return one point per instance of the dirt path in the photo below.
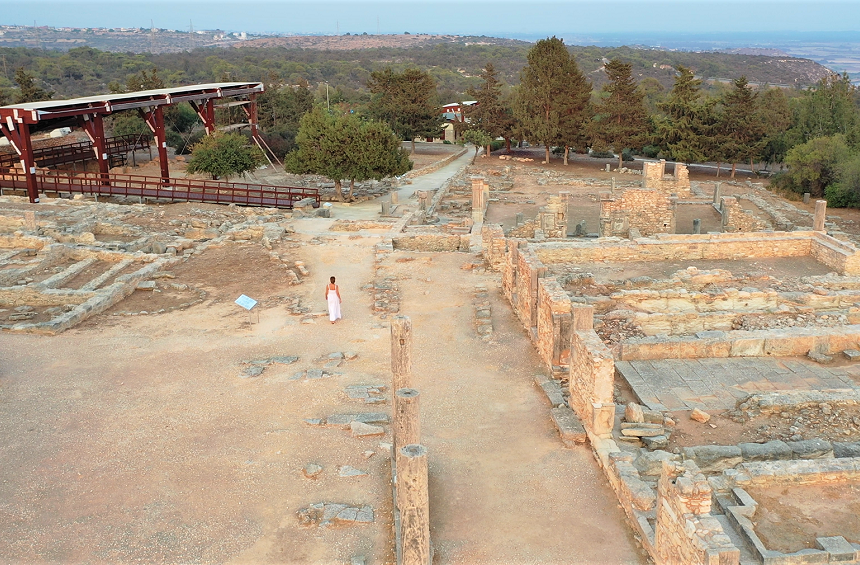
(503, 489)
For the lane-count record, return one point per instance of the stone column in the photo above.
(401, 352)
(717, 187)
(413, 501)
(395, 197)
(407, 426)
(820, 212)
(806, 197)
(386, 208)
(423, 197)
(477, 200)
(697, 226)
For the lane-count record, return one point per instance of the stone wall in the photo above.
(736, 219)
(592, 377)
(425, 240)
(685, 532)
(839, 255)
(647, 210)
(654, 176)
(493, 245)
(553, 323)
(786, 342)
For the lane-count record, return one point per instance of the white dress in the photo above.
(333, 304)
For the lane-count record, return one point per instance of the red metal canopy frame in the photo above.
(18, 120)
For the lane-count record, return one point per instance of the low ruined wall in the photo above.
(592, 376)
(838, 255)
(430, 242)
(493, 245)
(788, 342)
(553, 322)
(736, 219)
(647, 210)
(685, 531)
(654, 176)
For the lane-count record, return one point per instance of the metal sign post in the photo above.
(248, 304)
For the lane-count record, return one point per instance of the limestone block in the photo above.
(811, 449)
(846, 449)
(747, 348)
(651, 463)
(767, 451)
(714, 458)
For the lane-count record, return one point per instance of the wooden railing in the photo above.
(175, 190)
(77, 152)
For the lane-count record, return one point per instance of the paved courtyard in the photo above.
(717, 384)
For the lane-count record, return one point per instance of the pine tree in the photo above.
(621, 117)
(682, 132)
(741, 131)
(774, 113)
(27, 89)
(553, 96)
(491, 114)
(406, 102)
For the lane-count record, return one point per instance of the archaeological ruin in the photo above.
(699, 338)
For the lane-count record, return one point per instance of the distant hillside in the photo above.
(345, 63)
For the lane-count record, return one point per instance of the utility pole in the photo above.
(327, 106)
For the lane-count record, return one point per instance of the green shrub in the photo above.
(651, 151)
(627, 155)
(497, 144)
(840, 196)
(603, 154)
(446, 142)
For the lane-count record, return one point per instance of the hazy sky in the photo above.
(504, 18)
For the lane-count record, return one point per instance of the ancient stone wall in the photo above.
(685, 532)
(553, 322)
(493, 245)
(592, 376)
(428, 241)
(839, 255)
(736, 219)
(786, 342)
(654, 176)
(647, 210)
(529, 270)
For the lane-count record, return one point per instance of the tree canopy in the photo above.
(553, 95)
(492, 114)
(342, 147)
(621, 117)
(683, 131)
(407, 102)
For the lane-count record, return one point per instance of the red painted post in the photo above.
(28, 161)
(161, 143)
(252, 114)
(100, 148)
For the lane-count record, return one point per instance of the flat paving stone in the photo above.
(717, 384)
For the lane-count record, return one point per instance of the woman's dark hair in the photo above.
(332, 280)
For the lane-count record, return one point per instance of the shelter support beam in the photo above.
(18, 134)
(155, 121)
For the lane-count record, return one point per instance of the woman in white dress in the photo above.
(332, 296)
